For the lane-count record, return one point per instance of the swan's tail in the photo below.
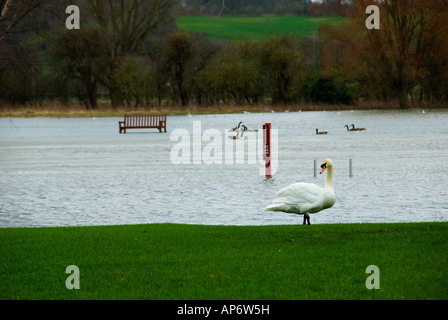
(272, 207)
(284, 204)
(278, 207)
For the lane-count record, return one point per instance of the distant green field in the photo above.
(253, 28)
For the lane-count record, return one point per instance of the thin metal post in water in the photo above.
(315, 165)
(350, 172)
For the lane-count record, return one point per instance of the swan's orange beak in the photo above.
(323, 167)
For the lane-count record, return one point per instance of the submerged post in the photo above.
(315, 166)
(350, 173)
(267, 149)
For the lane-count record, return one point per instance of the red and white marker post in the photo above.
(267, 149)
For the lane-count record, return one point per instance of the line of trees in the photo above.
(407, 59)
(187, 68)
(132, 52)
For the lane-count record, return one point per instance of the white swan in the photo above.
(305, 198)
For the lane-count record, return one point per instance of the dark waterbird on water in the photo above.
(237, 128)
(322, 132)
(305, 198)
(357, 129)
(348, 129)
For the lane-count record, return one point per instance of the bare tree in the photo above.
(12, 12)
(86, 52)
(129, 24)
(223, 6)
(405, 59)
(130, 21)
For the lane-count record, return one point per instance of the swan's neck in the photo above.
(329, 177)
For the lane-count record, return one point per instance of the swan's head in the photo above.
(326, 163)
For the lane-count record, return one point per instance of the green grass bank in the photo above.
(253, 28)
(170, 261)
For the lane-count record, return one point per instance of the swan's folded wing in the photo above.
(297, 198)
(301, 190)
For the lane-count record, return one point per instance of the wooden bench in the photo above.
(143, 121)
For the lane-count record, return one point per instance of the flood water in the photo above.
(81, 171)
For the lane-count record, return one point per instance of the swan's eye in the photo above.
(324, 165)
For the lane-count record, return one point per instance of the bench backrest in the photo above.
(144, 120)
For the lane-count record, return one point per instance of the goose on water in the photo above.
(357, 129)
(348, 129)
(237, 128)
(322, 132)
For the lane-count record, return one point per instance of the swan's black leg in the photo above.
(304, 219)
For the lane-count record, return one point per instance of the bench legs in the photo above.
(121, 127)
(162, 125)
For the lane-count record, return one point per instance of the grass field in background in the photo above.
(253, 28)
(170, 261)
